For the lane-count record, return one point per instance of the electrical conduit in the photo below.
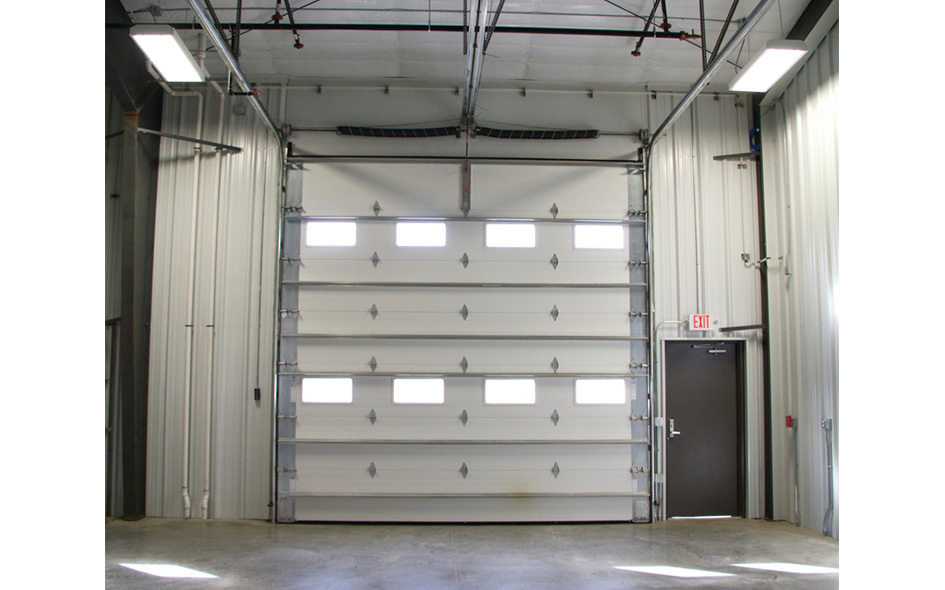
(191, 279)
(205, 502)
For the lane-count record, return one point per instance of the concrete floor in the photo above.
(251, 554)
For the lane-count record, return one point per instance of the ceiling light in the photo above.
(162, 45)
(768, 66)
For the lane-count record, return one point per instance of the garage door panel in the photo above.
(465, 313)
(352, 188)
(498, 357)
(485, 509)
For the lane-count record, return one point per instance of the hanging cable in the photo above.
(728, 20)
(235, 38)
(705, 64)
(465, 27)
(495, 19)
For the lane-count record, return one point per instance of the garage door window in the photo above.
(419, 391)
(510, 235)
(510, 391)
(421, 235)
(328, 391)
(600, 391)
(597, 236)
(331, 233)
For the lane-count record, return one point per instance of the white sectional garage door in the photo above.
(498, 373)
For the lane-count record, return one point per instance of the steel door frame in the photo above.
(659, 426)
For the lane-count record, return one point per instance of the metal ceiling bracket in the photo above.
(464, 470)
(373, 364)
(465, 260)
(220, 43)
(555, 417)
(710, 71)
(464, 312)
(554, 313)
(372, 417)
(464, 417)
(554, 261)
(374, 312)
(555, 470)
(372, 470)
(376, 259)
(467, 190)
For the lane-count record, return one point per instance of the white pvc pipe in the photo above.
(205, 501)
(189, 338)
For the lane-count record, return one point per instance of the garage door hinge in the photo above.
(464, 312)
(464, 364)
(287, 312)
(375, 259)
(377, 208)
(293, 209)
(373, 364)
(464, 470)
(555, 417)
(637, 262)
(465, 260)
(554, 210)
(286, 417)
(288, 363)
(554, 261)
(292, 261)
(372, 417)
(285, 469)
(372, 470)
(554, 313)
(636, 213)
(554, 364)
(556, 470)
(374, 312)
(635, 417)
(464, 417)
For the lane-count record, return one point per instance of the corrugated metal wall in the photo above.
(801, 178)
(705, 216)
(235, 222)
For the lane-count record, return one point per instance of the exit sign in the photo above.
(700, 322)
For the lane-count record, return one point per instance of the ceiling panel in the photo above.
(436, 58)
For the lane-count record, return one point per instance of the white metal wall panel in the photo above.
(704, 216)
(366, 327)
(235, 219)
(801, 155)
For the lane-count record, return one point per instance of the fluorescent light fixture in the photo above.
(598, 237)
(676, 572)
(421, 235)
(720, 517)
(510, 391)
(167, 52)
(167, 571)
(331, 233)
(768, 66)
(328, 390)
(510, 235)
(790, 568)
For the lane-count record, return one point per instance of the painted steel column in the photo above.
(134, 317)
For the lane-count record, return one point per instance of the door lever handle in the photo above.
(672, 429)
